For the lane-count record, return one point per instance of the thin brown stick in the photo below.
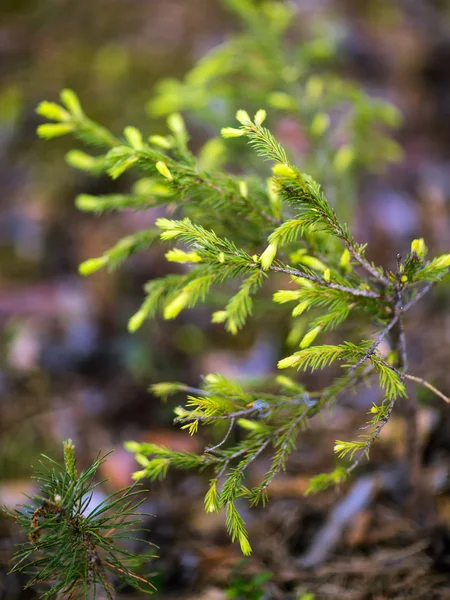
(428, 386)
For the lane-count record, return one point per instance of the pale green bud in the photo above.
(86, 202)
(344, 261)
(70, 100)
(312, 262)
(243, 189)
(310, 337)
(303, 282)
(51, 130)
(246, 549)
(135, 322)
(327, 275)
(52, 111)
(300, 308)
(212, 155)
(231, 132)
(174, 307)
(92, 264)
(180, 412)
(314, 87)
(134, 137)
(442, 261)
(81, 160)
(212, 498)
(243, 117)
(418, 246)
(142, 460)
(260, 117)
(161, 141)
(176, 124)
(283, 296)
(268, 255)
(289, 361)
(249, 425)
(320, 124)
(122, 165)
(282, 101)
(288, 383)
(219, 316)
(179, 256)
(132, 446)
(274, 197)
(70, 458)
(164, 170)
(294, 257)
(148, 185)
(283, 170)
(232, 326)
(339, 447)
(343, 158)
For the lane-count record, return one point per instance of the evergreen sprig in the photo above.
(75, 549)
(253, 228)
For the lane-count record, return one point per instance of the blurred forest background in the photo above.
(68, 366)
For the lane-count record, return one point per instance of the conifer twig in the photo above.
(227, 435)
(328, 284)
(239, 413)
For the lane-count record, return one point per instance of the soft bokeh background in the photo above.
(68, 367)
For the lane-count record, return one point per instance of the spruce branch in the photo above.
(225, 220)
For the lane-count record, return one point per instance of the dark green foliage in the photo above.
(75, 548)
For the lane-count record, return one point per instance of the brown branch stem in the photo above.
(328, 284)
(428, 386)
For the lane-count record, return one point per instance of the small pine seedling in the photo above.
(72, 548)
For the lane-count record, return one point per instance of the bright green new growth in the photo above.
(317, 250)
(252, 228)
(75, 547)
